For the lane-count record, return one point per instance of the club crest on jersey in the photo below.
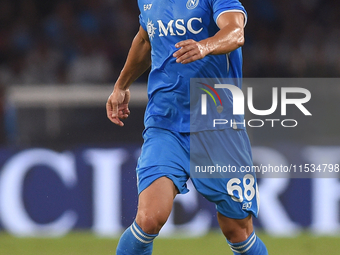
(192, 4)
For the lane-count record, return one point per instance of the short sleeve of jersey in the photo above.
(141, 22)
(221, 6)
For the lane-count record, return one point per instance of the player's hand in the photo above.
(189, 51)
(117, 107)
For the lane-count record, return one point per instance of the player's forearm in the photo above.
(229, 37)
(137, 62)
(225, 40)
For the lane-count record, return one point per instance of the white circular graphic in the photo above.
(192, 4)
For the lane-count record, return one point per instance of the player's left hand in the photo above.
(189, 51)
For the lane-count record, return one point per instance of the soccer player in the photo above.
(184, 39)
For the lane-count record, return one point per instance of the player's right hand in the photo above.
(117, 107)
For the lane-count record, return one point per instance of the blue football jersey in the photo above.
(168, 22)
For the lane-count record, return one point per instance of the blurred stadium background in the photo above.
(65, 169)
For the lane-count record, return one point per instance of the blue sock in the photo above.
(252, 246)
(134, 241)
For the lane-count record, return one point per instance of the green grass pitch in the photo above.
(79, 243)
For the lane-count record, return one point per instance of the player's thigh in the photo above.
(234, 193)
(164, 153)
(155, 204)
(161, 174)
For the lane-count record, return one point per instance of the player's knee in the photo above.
(150, 223)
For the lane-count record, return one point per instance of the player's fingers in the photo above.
(191, 59)
(114, 108)
(126, 112)
(123, 109)
(112, 112)
(117, 121)
(123, 115)
(184, 43)
(109, 109)
(184, 50)
(188, 55)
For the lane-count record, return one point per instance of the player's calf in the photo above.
(154, 207)
(252, 246)
(241, 236)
